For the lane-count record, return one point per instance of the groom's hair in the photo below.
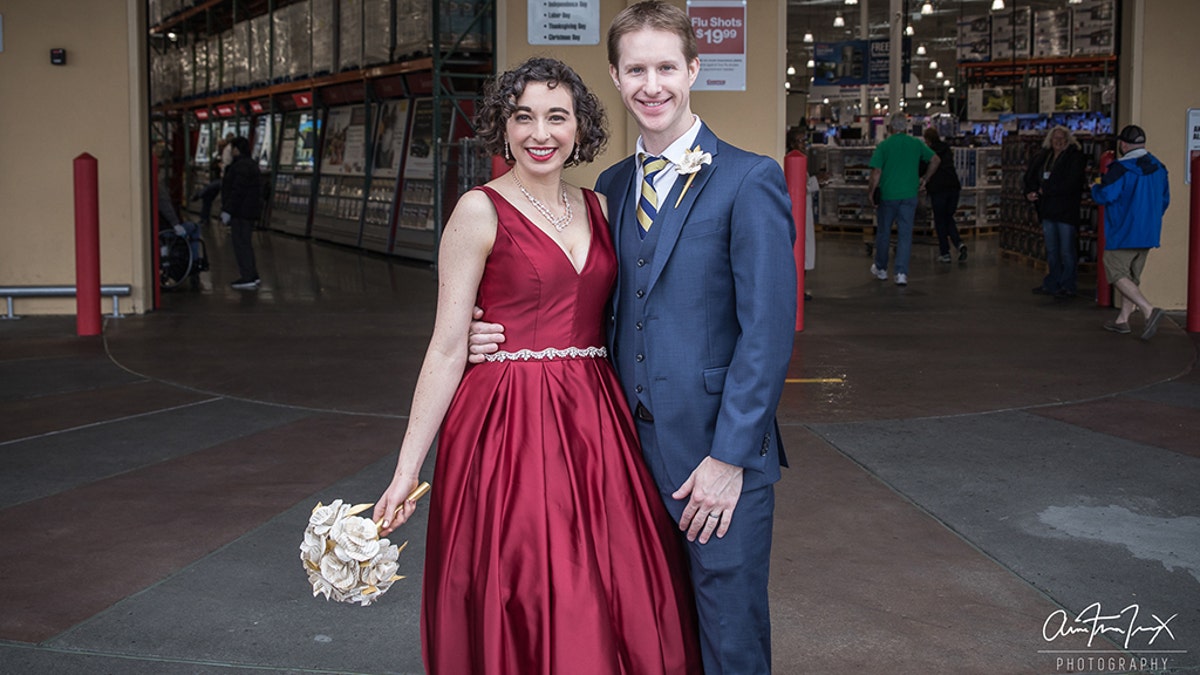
(656, 15)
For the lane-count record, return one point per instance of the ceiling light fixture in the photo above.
(921, 50)
(997, 5)
(933, 65)
(940, 75)
(811, 63)
(950, 90)
(808, 36)
(908, 30)
(946, 83)
(791, 70)
(927, 8)
(838, 21)
(851, 2)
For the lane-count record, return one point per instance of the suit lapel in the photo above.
(620, 212)
(674, 219)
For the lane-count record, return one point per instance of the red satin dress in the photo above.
(549, 550)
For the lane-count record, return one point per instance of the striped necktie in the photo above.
(647, 206)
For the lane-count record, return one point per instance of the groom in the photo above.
(702, 326)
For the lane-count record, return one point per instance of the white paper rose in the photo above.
(693, 160)
(313, 546)
(323, 517)
(355, 539)
(341, 575)
(382, 568)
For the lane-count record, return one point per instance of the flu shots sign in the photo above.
(720, 27)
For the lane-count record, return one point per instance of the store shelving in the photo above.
(218, 62)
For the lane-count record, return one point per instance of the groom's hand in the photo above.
(712, 492)
(483, 338)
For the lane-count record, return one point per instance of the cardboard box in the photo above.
(975, 38)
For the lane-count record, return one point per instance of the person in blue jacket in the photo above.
(1135, 193)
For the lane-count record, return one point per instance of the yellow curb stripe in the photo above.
(814, 380)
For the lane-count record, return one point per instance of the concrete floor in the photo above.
(970, 464)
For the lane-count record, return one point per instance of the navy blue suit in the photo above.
(701, 334)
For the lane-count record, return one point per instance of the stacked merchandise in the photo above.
(414, 28)
(1010, 34)
(1093, 28)
(324, 18)
(975, 38)
(260, 50)
(239, 57)
(1052, 33)
(350, 35)
(378, 41)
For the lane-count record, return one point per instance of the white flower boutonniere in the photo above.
(692, 161)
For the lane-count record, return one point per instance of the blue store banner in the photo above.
(855, 62)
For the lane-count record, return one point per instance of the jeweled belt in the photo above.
(550, 353)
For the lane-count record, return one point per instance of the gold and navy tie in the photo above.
(647, 206)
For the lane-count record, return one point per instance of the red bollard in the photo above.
(1103, 288)
(1193, 298)
(499, 166)
(87, 246)
(795, 172)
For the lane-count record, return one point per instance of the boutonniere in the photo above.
(690, 165)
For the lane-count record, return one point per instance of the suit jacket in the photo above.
(719, 311)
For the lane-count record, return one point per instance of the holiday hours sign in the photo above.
(720, 27)
(564, 22)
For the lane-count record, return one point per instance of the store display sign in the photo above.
(345, 141)
(720, 27)
(1193, 141)
(390, 133)
(564, 22)
(857, 62)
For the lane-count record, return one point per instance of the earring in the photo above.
(576, 153)
(507, 154)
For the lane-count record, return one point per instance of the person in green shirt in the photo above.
(895, 171)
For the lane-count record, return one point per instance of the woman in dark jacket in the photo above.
(944, 189)
(1054, 182)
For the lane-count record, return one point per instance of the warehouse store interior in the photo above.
(969, 461)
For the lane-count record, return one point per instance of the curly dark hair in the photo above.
(500, 101)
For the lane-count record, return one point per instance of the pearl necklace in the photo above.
(559, 223)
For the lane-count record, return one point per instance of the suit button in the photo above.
(638, 325)
(640, 357)
(641, 262)
(638, 389)
(640, 293)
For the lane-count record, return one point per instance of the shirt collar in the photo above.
(674, 151)
(1135, 153)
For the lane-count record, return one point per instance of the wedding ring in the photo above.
(715, 515)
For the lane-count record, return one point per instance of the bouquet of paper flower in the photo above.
(345, 559)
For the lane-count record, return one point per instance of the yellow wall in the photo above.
(752, 119)
(51, 114)
(1163, 86)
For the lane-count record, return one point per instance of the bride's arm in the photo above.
(466, 243)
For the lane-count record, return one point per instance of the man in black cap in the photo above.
(1135, 193)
